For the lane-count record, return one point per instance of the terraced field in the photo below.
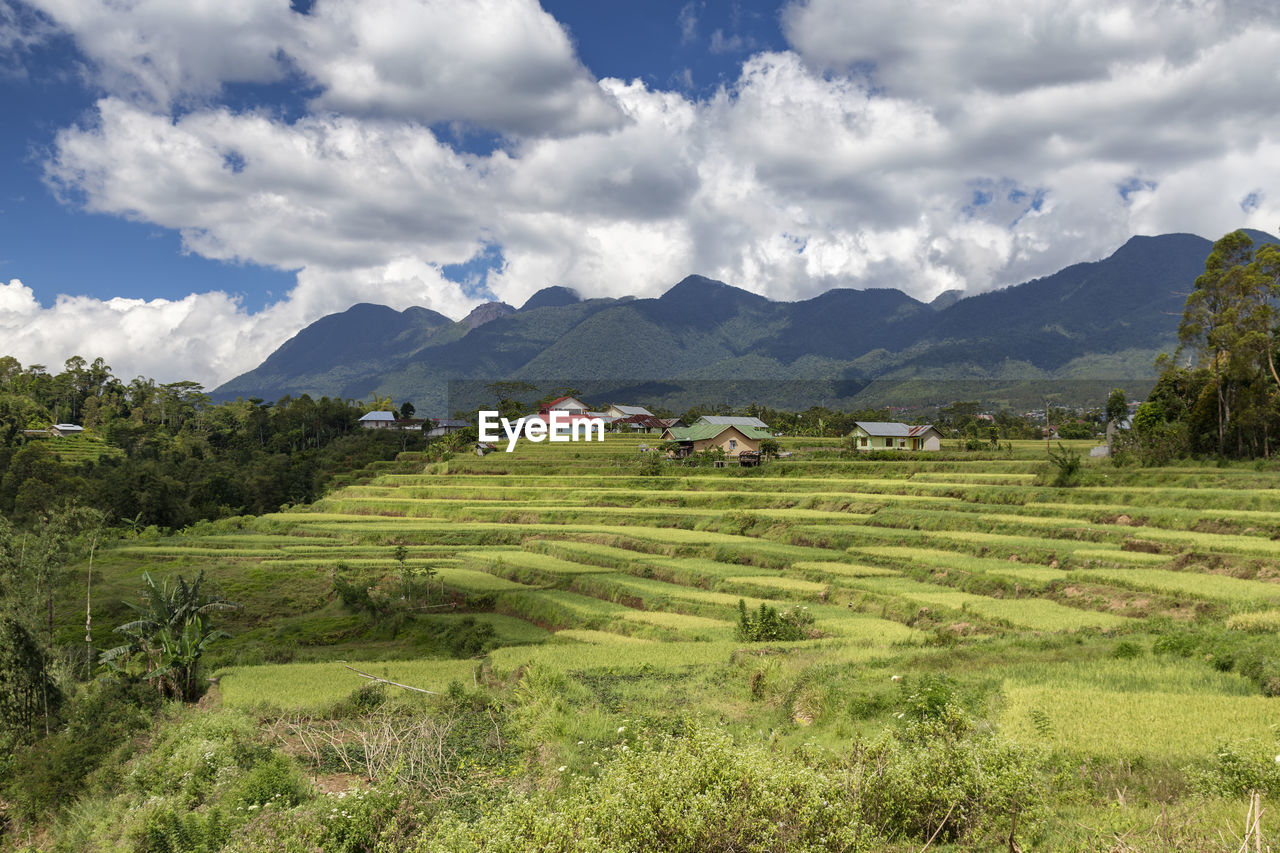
(1058, 604)
(570, 538)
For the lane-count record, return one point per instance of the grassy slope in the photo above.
(952, 564)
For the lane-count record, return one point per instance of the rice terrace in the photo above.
(1104, 652)
(548, 426)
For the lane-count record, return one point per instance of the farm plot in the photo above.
(625, 589)
(1033, 613)
(1092, 721)
(315, 687)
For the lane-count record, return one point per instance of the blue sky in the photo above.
(184, 185)
(55, 247)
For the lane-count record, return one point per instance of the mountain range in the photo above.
(1084, 328)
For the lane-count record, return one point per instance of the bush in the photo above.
(1236, 769)
(650, 464)
(682, 795)
(1127, 649)
(767, 625)
(275, 780)
(974, 788)
(1068, 464)
(100, 722)
(354, 596)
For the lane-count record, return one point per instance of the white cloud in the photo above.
(688, 21)
(500, 64)
(922, 146)
(940, 51)
(503, 64)
(159, 52)
(206, 337)
(331, 191)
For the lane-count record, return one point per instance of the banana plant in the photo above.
(170, 634)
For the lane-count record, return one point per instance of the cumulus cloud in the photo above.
(503, 64)
(500, 64)
(206, 337)
(927, 147)
(940, 51)
(198, 337)
(161, 52)
(330, 191)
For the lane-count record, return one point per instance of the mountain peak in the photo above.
(696, 288)
(700, 284)
(487, 312)
(946, 299)
(552, 297)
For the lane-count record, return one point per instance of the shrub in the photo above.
(1127, 649)
(1237, 769)
(354, 596)
(275, 780)
(650, 464)
(767, 625)
(682, 795)
(100, 721)
(1068, 464)
(973, 788)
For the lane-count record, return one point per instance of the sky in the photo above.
(184, 184)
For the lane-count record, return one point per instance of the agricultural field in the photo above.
(1122, 632)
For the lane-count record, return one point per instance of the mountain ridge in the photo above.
(1119, 310)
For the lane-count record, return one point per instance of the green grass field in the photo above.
(1041, 607)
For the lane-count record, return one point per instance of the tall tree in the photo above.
(1229, 322)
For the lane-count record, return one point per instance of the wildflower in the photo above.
(560, 769)
(621, 729)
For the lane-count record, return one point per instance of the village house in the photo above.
(378, 420)
(641, 423)
(65, 430)
(388, 420)
(741, 443)
(883, 435)
(732, 420)
(443, 426)
(619, 412)
(574, 409)
(566, 404)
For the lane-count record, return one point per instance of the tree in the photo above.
(1229, 322)
(27, 692)
(406, 578)
(1117, 408)
(171, 634)
(407, 410)
(509, 406)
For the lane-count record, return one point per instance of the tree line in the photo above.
(166, 455)
(1218, 394)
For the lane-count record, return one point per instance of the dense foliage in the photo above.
(1224, 399)
(163, 454)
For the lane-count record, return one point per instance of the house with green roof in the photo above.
(738, 442)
